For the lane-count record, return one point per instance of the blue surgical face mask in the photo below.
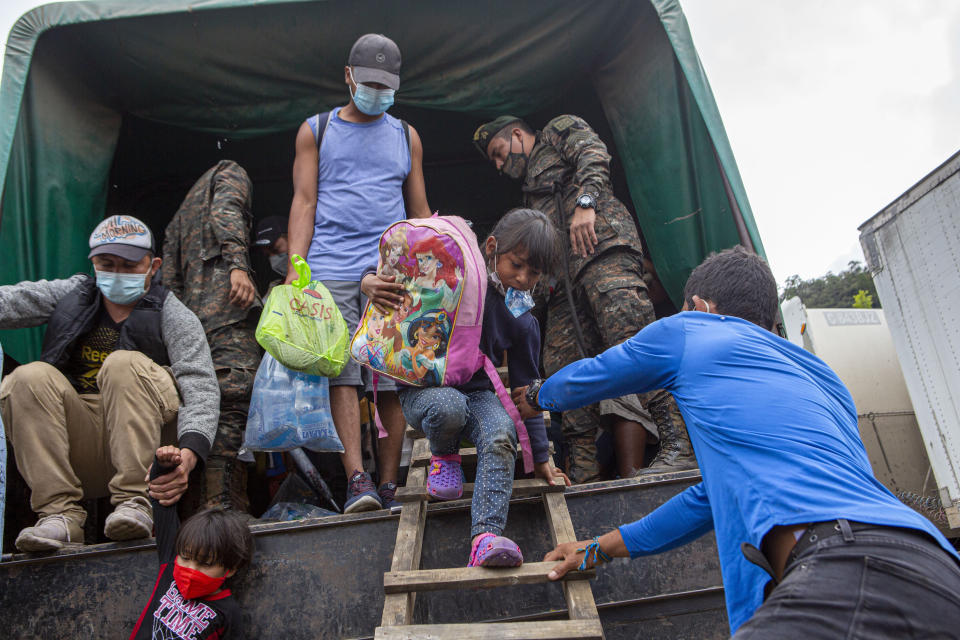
(371, 101)
(122, 288)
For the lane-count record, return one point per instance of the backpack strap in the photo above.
(522, 436)
(318, 124)
(406, 131)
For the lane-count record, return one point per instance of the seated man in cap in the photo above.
(86, 419)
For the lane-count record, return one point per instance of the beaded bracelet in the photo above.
(598, 554)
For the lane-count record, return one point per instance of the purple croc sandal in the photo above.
(445, 479)
(495, 551)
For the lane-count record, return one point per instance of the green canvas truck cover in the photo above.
(76, 76)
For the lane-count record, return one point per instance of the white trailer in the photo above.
(912, 248)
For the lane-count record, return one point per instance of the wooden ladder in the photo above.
(405, 577)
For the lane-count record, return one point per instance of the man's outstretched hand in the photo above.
(168, 488)
(569, 555)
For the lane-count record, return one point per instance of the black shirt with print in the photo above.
(170, 616)
(88, 354)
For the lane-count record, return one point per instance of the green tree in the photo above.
(833, 290)
(862, 300)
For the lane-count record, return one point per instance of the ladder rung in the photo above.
(469, 577)
(424, 458)
(526, 487)
(536, 630)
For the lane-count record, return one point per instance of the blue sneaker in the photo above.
(361, 494)
(388, 492)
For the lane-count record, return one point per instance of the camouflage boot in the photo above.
(226, 480)
(676, 453)
(582, 463)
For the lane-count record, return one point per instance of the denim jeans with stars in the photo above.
(447, 416)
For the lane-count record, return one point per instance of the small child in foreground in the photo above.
(522, 247)
(188, 599)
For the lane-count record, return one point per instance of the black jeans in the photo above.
(884, 582)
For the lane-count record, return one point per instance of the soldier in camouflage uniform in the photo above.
(206, 264)
(602, 300)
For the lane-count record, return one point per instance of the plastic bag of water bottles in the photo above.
(289, 409)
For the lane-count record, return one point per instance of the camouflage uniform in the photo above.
(609, 292)
(208, 238)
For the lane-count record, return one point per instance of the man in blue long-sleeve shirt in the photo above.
(784, 471)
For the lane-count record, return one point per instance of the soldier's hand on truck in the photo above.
(383, 292)
(583, 237)
(242, 291)
(550, 473)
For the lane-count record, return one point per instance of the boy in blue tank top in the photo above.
(356, 172)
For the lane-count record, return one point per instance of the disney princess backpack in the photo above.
(434, 338)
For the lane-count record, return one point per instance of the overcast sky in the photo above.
(833, 109)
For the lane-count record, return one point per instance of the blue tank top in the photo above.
(360, 178)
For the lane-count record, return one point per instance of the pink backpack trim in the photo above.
(522, 436)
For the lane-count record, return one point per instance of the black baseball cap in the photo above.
(375, 58)
(269, 231)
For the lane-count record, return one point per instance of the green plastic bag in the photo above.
(302, 328)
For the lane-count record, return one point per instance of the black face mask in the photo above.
(515, 166)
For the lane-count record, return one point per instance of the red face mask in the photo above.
(194, 584)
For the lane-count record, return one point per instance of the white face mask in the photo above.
(279, 263)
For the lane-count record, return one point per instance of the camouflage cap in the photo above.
(485, 132)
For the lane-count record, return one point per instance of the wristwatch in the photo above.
(586, 201)
(531, 395)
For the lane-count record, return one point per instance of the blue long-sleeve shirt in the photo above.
(774, 431)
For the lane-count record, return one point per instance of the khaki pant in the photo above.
(69, 445)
